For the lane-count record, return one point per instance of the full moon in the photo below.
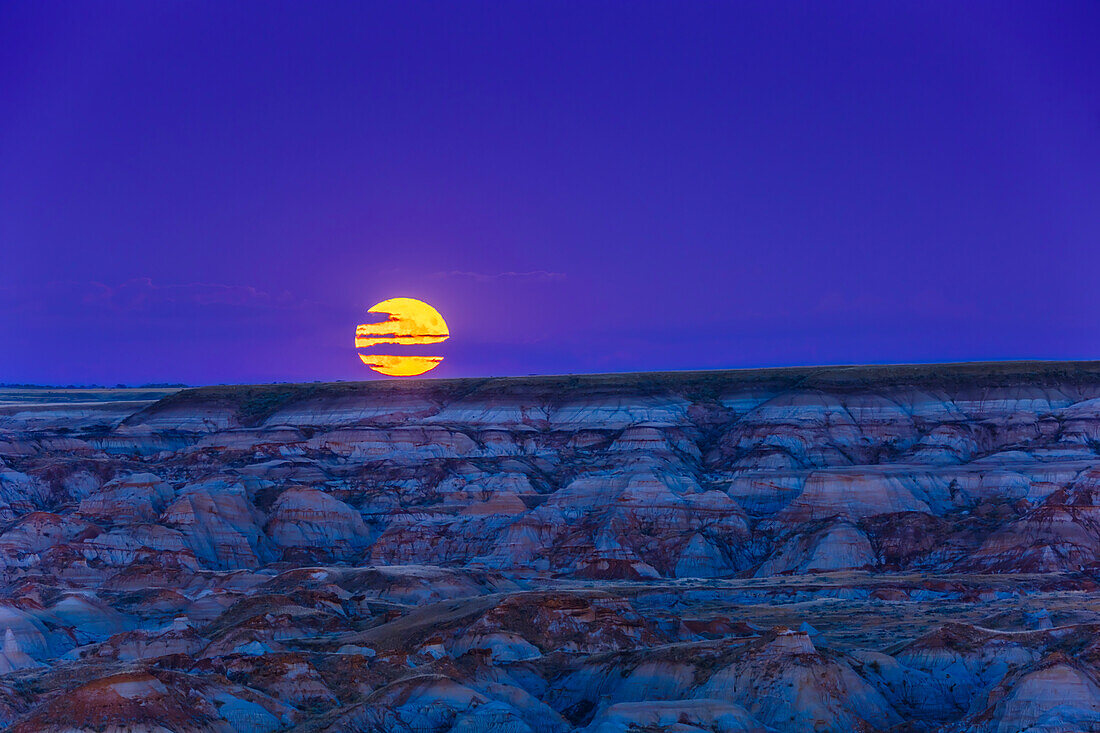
(410, 322)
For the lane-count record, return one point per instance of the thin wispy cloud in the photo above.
(491, 276)
(144, 295)
(141, 292)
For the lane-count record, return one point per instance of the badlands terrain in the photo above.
(831, 549)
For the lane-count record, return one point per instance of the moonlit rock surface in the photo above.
(705, 715)
(834, 549)
(308, 518)
(12, 657)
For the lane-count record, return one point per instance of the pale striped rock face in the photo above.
(808, 549)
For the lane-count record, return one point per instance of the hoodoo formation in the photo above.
(819, 549)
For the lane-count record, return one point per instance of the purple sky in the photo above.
(216, 192)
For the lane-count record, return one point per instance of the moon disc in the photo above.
(411, 322)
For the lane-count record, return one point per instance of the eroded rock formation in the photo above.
(835, 549)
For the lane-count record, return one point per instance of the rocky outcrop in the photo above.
(837, 546)
(1059, 695)
(307, 519)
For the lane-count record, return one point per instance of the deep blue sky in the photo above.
(216, 192)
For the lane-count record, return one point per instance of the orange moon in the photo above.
(410, 322)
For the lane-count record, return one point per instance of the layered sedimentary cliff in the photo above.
(834, 549)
